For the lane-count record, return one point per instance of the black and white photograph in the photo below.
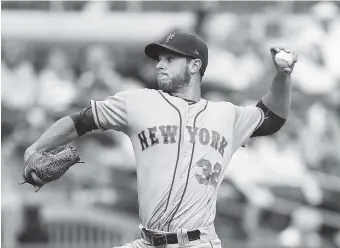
(170, 124)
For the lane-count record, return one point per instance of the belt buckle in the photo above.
(159, 239)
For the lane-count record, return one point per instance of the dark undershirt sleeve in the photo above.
(271, 124)
(84, 121)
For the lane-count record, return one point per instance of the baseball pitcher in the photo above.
(182, 142)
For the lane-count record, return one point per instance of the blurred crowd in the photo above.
(287, 184)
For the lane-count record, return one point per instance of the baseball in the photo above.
(283, 59)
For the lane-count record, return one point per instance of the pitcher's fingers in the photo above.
(287, 69)
(295, 57)
(37, 179)
(274, 50)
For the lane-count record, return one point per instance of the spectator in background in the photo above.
(237, 66)
(324, 143)
(33, 230)
(99, 75)
(327, 15)
(319, 50)
(57, 88)
(18, 81)
(303, 230)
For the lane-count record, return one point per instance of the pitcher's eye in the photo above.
(168, 58)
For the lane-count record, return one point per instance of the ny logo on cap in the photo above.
(170, 36)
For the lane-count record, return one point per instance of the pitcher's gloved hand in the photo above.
(42, 168)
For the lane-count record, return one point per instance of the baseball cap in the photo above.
(181, 43)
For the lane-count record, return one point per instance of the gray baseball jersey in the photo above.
(181, 151)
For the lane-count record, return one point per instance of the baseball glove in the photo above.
(49, 166)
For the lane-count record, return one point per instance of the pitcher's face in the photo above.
(172, 72)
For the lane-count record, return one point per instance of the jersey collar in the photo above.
(190, 102)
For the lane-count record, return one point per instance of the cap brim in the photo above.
(154, 49)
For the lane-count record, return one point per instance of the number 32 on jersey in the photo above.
(209, 175)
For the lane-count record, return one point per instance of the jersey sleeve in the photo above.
(112, 113)
(247, 120)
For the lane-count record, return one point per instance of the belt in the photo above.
(162, 239)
